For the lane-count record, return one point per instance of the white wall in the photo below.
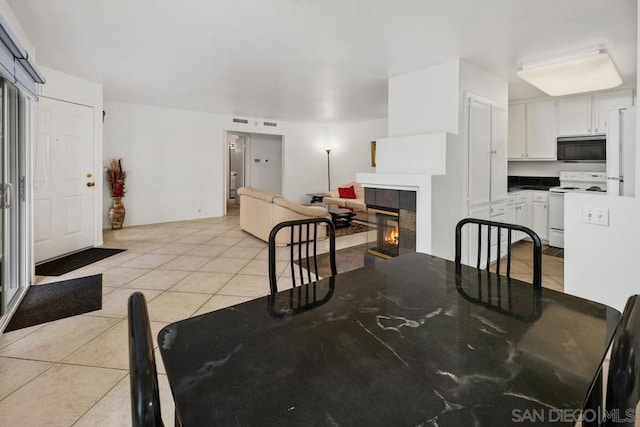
(173, 161)
(176, 159)
(425, 101)
(7, 14)
(481, 83)
(264, 162)
(601, 263)
(551, 168)
(352, 149)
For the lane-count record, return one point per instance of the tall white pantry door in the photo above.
(64, 188)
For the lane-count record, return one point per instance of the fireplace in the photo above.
(392, 223)
(385, 241)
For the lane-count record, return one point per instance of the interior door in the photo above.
(64, 187)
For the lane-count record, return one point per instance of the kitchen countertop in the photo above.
(539, 183)
(529, 187)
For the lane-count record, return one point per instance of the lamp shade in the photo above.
(585, 73)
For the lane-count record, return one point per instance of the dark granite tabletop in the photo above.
(401, 342)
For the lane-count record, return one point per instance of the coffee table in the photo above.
(316, 197)
(341, 217)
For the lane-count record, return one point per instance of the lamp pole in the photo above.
(328, 150)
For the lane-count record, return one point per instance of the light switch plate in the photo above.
(597, 216)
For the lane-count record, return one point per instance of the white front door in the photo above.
(64, 188)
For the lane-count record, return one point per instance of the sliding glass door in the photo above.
(15, 256)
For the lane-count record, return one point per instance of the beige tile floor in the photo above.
(522, 266)
(74, 371)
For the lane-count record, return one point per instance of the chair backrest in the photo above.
(145, 394)
(303, 255)
(494, 230)
(623, 382)
(300, 299)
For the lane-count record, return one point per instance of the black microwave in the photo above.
(582, 148)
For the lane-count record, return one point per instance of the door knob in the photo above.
(91, 184)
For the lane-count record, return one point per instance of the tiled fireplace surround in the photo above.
(405, 203)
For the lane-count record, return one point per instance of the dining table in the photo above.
(415, 340)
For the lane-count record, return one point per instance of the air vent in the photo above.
(240, 121)
(274, 124)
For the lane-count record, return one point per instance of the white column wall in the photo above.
(600, 262)
(425, 101)
(176, 166)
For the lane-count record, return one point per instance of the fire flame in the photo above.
(391, 236)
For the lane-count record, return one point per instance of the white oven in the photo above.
(569, 182)
(556, 218)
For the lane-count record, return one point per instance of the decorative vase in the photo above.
(116, 213)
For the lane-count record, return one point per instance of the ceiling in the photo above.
(309, 60)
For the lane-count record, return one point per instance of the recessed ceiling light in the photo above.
(585, 72)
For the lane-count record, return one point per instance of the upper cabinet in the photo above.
(532, 134)
(535, 125)
(540, 123)
(604, 102)
(515, 143)
(587, 114)
(574, 115)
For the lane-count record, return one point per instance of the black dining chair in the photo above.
(303, 250)
(300, 299)
(495, 291)
(145, 392)
(623, 382)
(495, 230)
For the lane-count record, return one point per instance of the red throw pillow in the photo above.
(347, 192)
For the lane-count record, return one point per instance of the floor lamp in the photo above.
(328, 150)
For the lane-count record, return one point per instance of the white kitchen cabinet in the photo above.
(574, 115)
(516, 143)
(588, 114)
(532, 134)
(487, 169)
(518, 213)
(498, 175)
(479, 152)
(487, 179)
(540, 220)
(606, 101)
(540, 122)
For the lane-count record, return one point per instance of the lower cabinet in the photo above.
(518, 212)
(496, 212)
(540, 214)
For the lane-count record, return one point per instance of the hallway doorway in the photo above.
(253, 160)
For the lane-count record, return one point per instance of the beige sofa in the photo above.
(357, 204)
(261, 210)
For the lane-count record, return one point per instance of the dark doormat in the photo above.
(53, 301)
(60, 266)
(347, 259)
(557, 252)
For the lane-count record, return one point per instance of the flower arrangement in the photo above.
(116, 177)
